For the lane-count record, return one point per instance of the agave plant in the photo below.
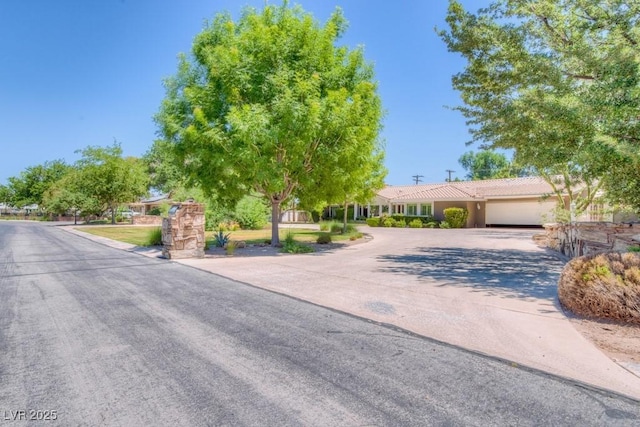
(221, 238)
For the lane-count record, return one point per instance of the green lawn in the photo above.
(139, 235)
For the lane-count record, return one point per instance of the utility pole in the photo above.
(449, 171)
(417, 179)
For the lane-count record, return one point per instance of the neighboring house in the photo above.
(528, 201)
(146, 205)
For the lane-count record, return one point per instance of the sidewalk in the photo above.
(490, 291)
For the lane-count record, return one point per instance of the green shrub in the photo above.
(400, 223)
(388, 222)
(324, 238)
(445, 224)
(416, 223)
(326, 225)
(431, 224)
(155, 212)
(336, 227)
(351, 228)
(315, 216)
(340, 213)
(154, 237)
(290, 246)
(251, 213)
(373, 222)
(455, 217)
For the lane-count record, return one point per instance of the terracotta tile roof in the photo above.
(469, 190)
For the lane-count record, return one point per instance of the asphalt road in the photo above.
(99, 336)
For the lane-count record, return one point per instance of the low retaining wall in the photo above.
(584, 238)
(147, 220)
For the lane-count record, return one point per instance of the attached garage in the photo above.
(520, 212)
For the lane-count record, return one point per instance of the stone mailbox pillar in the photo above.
(183, 231)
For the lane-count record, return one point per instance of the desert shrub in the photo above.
(154, 237)
(230, 247)
(228, 225)
(251, 213)
(324, 238)
(603, 286)
(415, 223)
(373, 222)
(400, 223)
(388, 222)
(445, 224)
(456, 217)
(221, 239)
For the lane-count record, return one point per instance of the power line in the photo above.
(449, 171)
(417, 179)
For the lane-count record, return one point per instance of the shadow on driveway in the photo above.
(506, 273)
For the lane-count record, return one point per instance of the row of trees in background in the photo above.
(101, 180)
(268, 106)
(557, 83)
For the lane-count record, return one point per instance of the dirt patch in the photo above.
(620, 342)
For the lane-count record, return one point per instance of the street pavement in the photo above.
(489, 290)
(94, 335)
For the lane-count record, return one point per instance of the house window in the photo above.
(398, 209)
(596, 211)
(425, 210)
(412, 209)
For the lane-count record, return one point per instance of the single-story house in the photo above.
(145, 205)
(524, 202)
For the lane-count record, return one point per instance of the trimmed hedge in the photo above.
(456, 217)
(393, 220)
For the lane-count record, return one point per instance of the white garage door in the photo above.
(513, 212)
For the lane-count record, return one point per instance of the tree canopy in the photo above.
(270, 104)
(110, 179)
(558, 82)
(485, 164)
(29, 187)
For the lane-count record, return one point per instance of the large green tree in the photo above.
(110, 179)
(268, 104)
(558, 82)
(486, 164)
(66, 195)
(29, 187)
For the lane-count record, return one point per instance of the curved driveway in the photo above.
(488, 290)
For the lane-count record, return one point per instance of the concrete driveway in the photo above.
(487, 290)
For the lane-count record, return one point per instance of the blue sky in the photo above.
(85, 72)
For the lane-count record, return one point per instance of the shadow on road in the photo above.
(507, 273)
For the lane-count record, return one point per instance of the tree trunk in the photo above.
(113, 215)
(275, 219)
(344, 223)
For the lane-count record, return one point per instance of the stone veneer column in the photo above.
(183, 232)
